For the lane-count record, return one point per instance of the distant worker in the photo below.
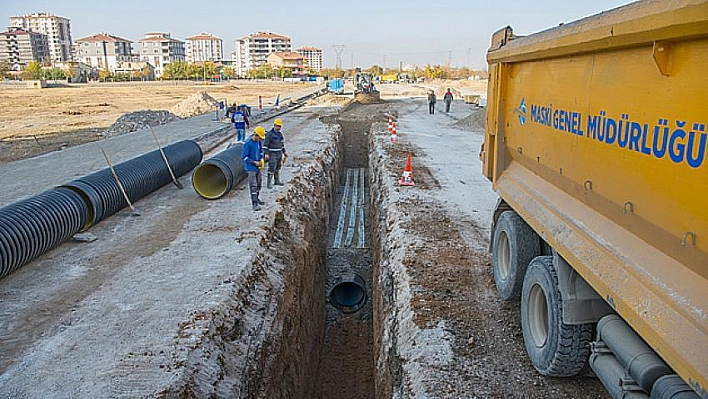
(252, 155)
(274, 148)
(241, 123)
(230, 112)
(431, 102)
(447, 98)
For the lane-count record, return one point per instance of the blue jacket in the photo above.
(252, 151)
(239, 119)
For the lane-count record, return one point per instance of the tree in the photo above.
(176, 70)
(4, 69)
(104, 74)
(375, 70)
(33, 71)
(264, 71)
(228, 72)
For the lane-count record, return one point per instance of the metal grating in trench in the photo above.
(350, 223)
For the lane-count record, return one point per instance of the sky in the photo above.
(386, 33)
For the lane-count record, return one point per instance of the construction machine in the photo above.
(365, 91)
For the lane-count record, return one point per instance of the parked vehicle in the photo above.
(596, 144)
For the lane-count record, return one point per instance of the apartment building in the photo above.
(104, 51)
(313, 57)
(159, 49)
(252, 51)
(57, 29)
(287, 59)
(18, 47)
(204, 47)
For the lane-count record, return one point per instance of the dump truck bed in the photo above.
(596, 136)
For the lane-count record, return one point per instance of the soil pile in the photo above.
(134, 121)
(197, 104)
(474, 122)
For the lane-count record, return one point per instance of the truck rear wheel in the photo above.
(556, 349)
(514, 245)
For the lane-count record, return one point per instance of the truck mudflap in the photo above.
(671, 317)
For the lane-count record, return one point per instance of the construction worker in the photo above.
(252, 155)
(241, 123)
(431, 102)
(274, 149)
(230, 111)
(447, 98)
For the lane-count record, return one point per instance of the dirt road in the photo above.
(35, 121)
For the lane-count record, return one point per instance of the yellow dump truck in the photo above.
(596, 143)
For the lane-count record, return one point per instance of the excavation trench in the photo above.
(299, 322)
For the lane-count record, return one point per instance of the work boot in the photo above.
(269, 183)
(277, 179)
(256, 207)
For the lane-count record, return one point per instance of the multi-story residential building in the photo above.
(159, 49)
(104, 51)
(18, 47)
(287, 59)
(251, 51)
(57, 29)
(204, 47)
(313, 57)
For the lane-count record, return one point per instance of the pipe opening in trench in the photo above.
(349, 295)
(210, 181)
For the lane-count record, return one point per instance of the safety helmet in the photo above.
(259, 131)
(278, 122)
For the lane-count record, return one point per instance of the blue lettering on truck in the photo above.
(679, 141)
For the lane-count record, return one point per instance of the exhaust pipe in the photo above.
(216, 176)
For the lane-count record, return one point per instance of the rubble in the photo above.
(197, 104)
(134, 121)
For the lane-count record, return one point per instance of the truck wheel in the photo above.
(514, 245)
(556, 349)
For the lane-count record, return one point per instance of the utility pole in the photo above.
(469, 51)
(449, 57)
(338, 50)
(384, 62)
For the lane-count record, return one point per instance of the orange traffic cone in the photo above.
(407, 178)
(390, 124)
(392, 130)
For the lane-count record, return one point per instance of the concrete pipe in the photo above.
(139, 176)
(33, 226)
(640, 361)
(216, 176)
(349, 293)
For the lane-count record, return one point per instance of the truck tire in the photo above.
(556, 349)
(514, 245)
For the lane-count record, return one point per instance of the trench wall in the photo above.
(264, 341)
(401, 349)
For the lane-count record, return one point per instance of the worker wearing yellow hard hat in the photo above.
(252, 156)
(275, 155)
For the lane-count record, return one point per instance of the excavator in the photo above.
(365, 91)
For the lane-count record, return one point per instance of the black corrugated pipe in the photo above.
(140, 176)
(216, 176)
(33, 226)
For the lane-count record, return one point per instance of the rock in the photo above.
(138, 120)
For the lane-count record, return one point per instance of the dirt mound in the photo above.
(329, 99)
(475, 121)
(197, 104)
(134, 121)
